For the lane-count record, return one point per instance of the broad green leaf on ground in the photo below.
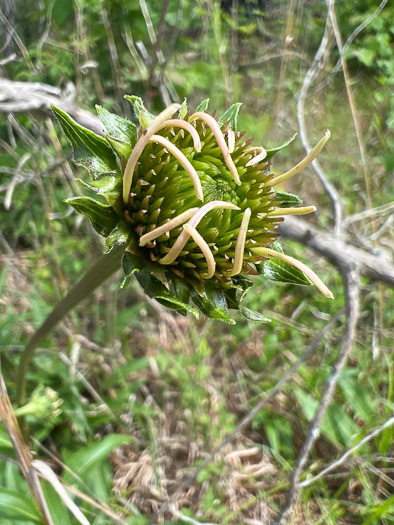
(337, 426)
(56, 506)
(86, 458)
(18, 507)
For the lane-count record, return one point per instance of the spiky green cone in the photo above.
(195, 208)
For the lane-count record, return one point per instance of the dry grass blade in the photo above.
(46, 472)
(22, 451)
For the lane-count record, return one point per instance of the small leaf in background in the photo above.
(286, 200)
(203, 106)
(103, 217)
(362, 402)
(271, 152)
(143, 115)
(231, 115)
(213, 304)
(337, 426)
(90, 150)
(18, 507)
(280, 271)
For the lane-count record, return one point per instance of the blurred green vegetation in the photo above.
(169, 389)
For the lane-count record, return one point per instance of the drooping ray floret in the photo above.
(193, 203)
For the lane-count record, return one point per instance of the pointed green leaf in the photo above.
(271, 152)
(110, 187)
(122, 149)
(17, 507)
(183, 110)
(154, 288)
(140, 110)
(287, 200)
(90, 150)
(107, 184)
(131, 264)
(203, 106)
(281, 271)
(117, 127)
(102, 217)
(213, 304)
(119, 235)
(232, 116)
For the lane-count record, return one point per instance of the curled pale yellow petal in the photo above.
(180, 157)
(211, 122)
(140, 146)
(168, 226)
(305, 161)
(231, 140)
(259, 157)
(240, 245)
(178, 123)
(204, 248)
(184, 236)
(297, 264)
(302, 210)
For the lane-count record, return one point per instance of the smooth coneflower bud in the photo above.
(192, 201)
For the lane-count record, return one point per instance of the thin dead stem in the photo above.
(351, 279)
(308, 79)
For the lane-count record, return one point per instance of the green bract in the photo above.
(191, 201)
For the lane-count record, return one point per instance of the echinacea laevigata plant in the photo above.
(187, 205)
(192, 204)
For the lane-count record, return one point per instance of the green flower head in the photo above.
(192, 202)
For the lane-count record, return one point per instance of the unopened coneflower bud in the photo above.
(191, 201)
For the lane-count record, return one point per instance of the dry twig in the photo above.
(351, 279)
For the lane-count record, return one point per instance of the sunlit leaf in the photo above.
(213, 304)
(231, 115)
(203, 106)
(143, 115)
(90, 150)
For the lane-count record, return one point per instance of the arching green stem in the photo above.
(106, 266)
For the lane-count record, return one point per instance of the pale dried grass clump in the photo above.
(151, 476)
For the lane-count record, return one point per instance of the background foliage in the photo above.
(144, 395)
